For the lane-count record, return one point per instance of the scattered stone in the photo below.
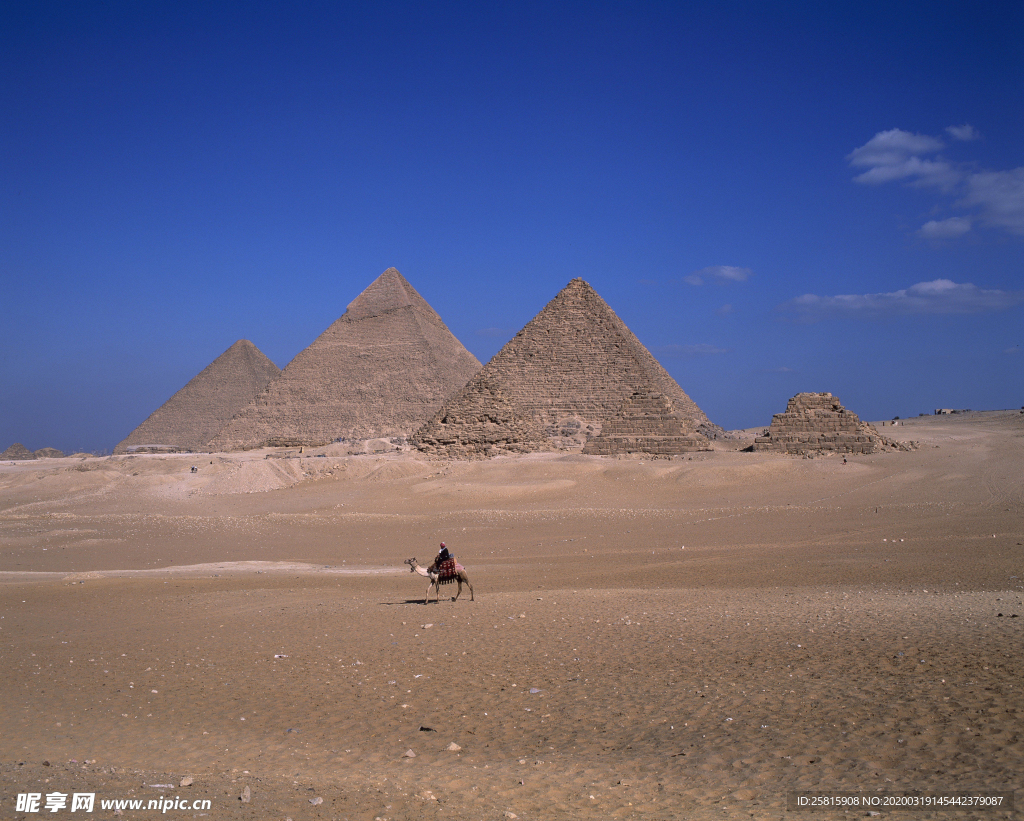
(453, 747)
(246, 795)
(408, 754)
(186, 781)
(316, 801)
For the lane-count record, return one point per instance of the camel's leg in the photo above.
(458, 593)
(426, 598)
(470, 590)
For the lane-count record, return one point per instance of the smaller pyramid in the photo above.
(49, 453)
(557, 383)
(195, 414)
(818, 423)
(17, 452)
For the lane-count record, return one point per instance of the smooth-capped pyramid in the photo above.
(380, 370)
(189, 419)
(573, 370)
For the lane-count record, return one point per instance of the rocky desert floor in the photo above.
(696, 637)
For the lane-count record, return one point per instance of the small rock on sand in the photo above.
(246, 795)
(186, 781)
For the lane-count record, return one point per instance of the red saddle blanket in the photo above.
(448, 570)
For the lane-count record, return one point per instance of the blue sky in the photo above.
(775, 197)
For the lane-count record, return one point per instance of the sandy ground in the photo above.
(686, 638)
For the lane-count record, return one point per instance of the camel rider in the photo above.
(442, 556)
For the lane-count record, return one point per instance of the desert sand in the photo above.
(693, 637)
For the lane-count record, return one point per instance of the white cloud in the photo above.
(941, 296)
(997, 197)
(944, 229)
(687, 351)
(892, 148)
(1000, 196)
(719, 273)
(963, 132)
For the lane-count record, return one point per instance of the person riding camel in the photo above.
(442, 556)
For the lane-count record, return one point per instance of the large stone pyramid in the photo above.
(573, 370)
(380, 370)
(195, 414)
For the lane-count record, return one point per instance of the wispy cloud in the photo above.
(941, 296)
(687, 351)
(963, 132)
(718, 273)
(1000, 196)
(995, 197)
(945, 229)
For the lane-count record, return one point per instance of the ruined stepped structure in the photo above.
(574, 377)
(195, 414)
(17, 452)
(381, 370)
(818, 423)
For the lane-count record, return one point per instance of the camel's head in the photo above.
(412, 564)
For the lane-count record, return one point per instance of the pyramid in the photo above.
(818, 423)
(573, 370)
(49, 453)
(380, 370)
(195, 414)
(17, 451)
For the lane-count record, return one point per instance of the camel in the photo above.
(435, 582)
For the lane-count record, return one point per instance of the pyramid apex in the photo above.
(386, 293)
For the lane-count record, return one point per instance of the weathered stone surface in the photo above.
(817, 422)
(564, 376)
(647, 423)
(381, 370)
(18, 452)
(195, 414)
(49, 453)
(481, 420)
